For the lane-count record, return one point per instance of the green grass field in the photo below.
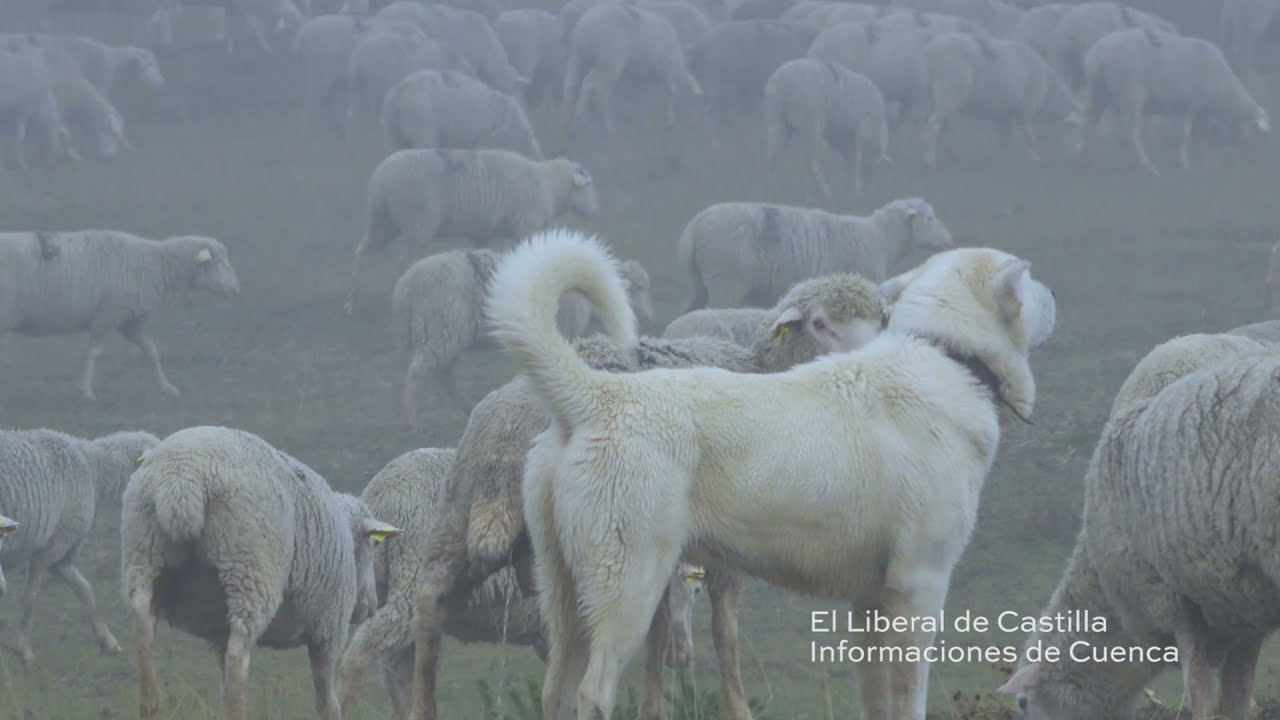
(1134, 260)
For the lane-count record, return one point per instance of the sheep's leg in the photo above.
(1197, 672)
(235, 674)
(137, 334)
(445, 376)
(653, 706)
(1027, 125)
(373, 639)
(851, 153)
(324, 666)
(255, 26)
(70, 575)
(397, 675)
(1184, 148)
(932, 131)
(143, 636)
(1237, 676)
(430, 625)
(1135, 135)
(96, 338)
(723, 588)
(413, 386)
(20, 139)
(35, 577)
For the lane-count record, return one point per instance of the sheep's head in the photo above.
(682, 591)
(636, 279)
(1043, 692)
(582, 193)
(927, 231)
(368, 534)
(213, 271)
(6, 526)
(839, 313)
(143, 64)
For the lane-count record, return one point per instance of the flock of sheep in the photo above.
(619, 474)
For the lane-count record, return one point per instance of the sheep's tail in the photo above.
(179, 508)
(685, 257)
(524, 296)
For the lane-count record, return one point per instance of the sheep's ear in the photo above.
(204, 255)
(786, 322)
(378, 531)
(1024, 679)
(581, 178)
(7, 525)
(1007, 280)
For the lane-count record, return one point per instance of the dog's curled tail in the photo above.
(524, 295)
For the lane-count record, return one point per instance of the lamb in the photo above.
(535, 46)
(1085, 24)
(387, 54)
(735, 59)
(645, 465)
(56, 483)
(467, 31)
(409, 493)
(481, 194)
(1177, 551)
(1005, 81)
(438, 308)
(1171, 360)
(841, 295)
(482, 529)
(750, 253)
(1241, 27)
(239, 544)
(97, 281)
(7, 526)
(612, 37)
(817, 101)
(1139, 71)
(442, 108)
(104, 65)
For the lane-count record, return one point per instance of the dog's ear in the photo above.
(1008, 280)
(891, 289)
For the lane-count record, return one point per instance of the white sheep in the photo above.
(100, 281)
(613, 37)
(1139, 71)
(995, 15)
(258, 16)
(898, 19)
(741, 253)
(819, 102)
(1005, 81)
(483, 527)
(386, 54)
(467, 31)
(82, 105)
(1036, 26)
(737, 325)
(235, 542)
(409, 492)
(1176, 556)
(892, 60)
(1171, 360)
(7, 526)
(1267, 331)
(323, 46)
(105, 65)
(443, 108)
(56, 483)
(638, 469)
(1241, 26)
(688, 20)
(484, 195)
(1086, 23)
(536, 48)
(27, 98)
(438, 305)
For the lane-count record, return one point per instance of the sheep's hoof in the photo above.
(108, 646)
(88, 395)
(170, 390)
(349, 308)
(27, 656)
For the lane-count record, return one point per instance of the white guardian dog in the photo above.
(856, 475)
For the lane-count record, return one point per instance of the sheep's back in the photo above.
(44, 480)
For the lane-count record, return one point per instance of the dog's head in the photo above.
(978, 302)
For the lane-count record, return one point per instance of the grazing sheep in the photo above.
(99, 281)
(410, 493)
(234, 542)
(839, 296)
(446, 109)
(751, 253)
(323, 45)
(7, 526)
(482, 528)
(735, 59)
(891, 60)
(387, 54)
(26, 97)
(1173, 359)
(1140, 71)
(104, 65)
(1241, 27)
(56, 483)
(535, 46)
(484, 195)
(612, 37)
(1087, 23)
(1176, 554)
(1004, 81)
(438, 305)
(470, 33)
(820, 102)
(638, 467)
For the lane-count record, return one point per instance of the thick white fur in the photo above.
(636, 468)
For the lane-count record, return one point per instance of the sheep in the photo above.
(535, 46)
(1267, 331)
(409, 493)
(878, 513)
(1036, 26)
(7, 526)
(56, 483)
(612, 37)
(1086, 23)
(760, 9)
(995, 15)
(387, 54)
(750, 253)
(734, 61)
(896, 20)
(482, 527)
(442, 108)
(1005, 81)
(467, 31)
(1139, 71)
(838, 295)
(26, 97)
(437, 304)
(688, 20)
(97, 281)
(891, 60)
(82, 105)
(481, 194)
(1240, 28)
(257, 14)
(1171, 360)
(1176, 553)
(104, 65)
(323, 46)
(232, 541)
(817, 101)
(821, 14)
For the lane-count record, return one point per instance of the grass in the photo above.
(1134, 260)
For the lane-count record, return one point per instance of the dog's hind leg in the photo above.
(921, 593)
(873, 678)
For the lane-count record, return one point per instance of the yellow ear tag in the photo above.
(141, 457)
(379, 536)
(781, 332)
(695, 575)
